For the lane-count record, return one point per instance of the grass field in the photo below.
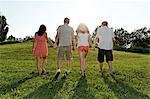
(131, 79)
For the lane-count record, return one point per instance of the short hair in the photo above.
(66, 20)
(105, 23)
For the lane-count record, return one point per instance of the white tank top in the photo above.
(83, 39)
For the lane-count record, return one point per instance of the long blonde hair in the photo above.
(82, 28)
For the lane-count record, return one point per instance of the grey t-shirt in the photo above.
(65, 32)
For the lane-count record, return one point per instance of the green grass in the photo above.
(131, 79)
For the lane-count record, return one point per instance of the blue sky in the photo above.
(25, 16)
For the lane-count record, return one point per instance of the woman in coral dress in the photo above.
(40, 48)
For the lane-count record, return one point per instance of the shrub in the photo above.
(9, 42)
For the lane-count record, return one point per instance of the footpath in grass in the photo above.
(131, 78)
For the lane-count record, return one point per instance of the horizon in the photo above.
(24, 17)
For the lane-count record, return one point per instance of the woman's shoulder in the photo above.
(45, 34)
(36, 34)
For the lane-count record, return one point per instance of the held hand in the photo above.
(74, 48)
(54, 45)
(33, 50)
(93, 47)
(33, 57)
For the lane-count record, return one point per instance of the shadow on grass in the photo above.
(47, 91)
(12, 86)
(80, 92)
(123, 90)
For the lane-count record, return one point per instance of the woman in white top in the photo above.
(83, 37)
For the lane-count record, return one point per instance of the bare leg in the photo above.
(39, 66)
(84, 63)
(43, 64)
(85, 54)
(59, 63)
(101, 67)
(110, 66)
(58, 68)
(69, 64)
(81, 62)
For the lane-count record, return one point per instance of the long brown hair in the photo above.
(41, 30)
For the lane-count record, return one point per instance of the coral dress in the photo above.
(40, 46)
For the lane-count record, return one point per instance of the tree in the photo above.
(141, 38)
(27, 38)
(122, 37)
(95, 32)
(3, 28)
(11, 37)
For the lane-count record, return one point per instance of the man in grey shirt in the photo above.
(65, 36)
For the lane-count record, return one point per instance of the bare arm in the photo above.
(90, 41)
(57, 38)
(74, 41)
(34, 43)
(49, 40)
(113, 40)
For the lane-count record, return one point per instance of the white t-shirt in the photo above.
(105, 36)
(83, 39)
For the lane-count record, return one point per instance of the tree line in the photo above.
(138, 40)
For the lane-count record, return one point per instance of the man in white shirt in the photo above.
(106, 39)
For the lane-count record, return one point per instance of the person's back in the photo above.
(83, 39)
(40, 46)
(40, 49)
(65, 35)
(106, 40)
(40, 39)
(105, 35)
(83, 45)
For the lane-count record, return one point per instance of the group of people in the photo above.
(65, 40)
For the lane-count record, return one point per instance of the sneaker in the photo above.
(44, 72)
(57, 73)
